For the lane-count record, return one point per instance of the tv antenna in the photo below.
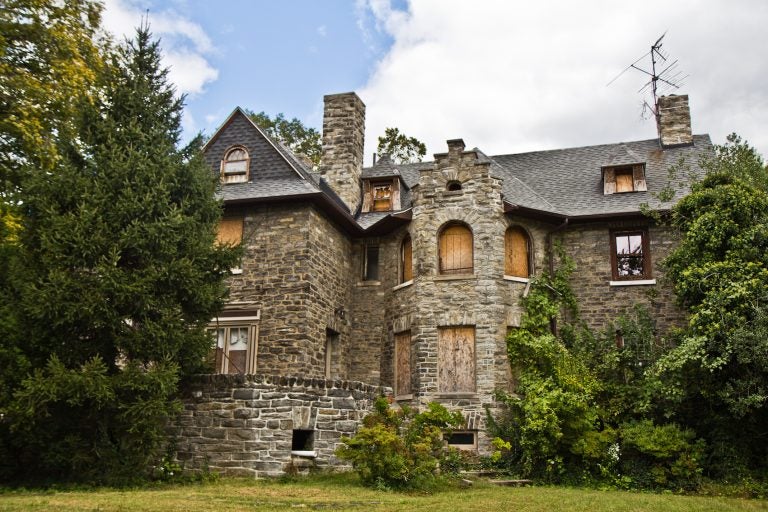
(667, 79)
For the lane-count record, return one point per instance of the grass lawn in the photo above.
(343, 492)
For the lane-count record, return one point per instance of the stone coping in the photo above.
(222, 381)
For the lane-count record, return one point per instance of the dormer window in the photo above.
(624, 178)
(381, 195)
(235, 166)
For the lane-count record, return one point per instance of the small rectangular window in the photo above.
(630, 255)
(466, 440)
(382, 197)
(302, 440)
(371, 263)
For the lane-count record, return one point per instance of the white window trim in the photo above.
(636, 282)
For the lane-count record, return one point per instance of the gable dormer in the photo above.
(381, 194)
(619, 179)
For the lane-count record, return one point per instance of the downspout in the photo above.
(551, 248)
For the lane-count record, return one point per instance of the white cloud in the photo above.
(322, 31)
(185, 45)
(512, 76)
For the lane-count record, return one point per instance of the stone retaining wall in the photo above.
(243, 425)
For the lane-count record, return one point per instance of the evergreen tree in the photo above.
(115, 279)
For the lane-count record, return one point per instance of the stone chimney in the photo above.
(673, 120)
(343, 137)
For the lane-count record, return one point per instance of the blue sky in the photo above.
(506, 76)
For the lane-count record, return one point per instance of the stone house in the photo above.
(405, 279)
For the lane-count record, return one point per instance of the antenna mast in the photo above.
(669, 78)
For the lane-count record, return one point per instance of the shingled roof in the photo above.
(556, 183)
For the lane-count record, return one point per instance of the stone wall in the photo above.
(599, 302)
(243, 425)
(674, 120)
(295, 270)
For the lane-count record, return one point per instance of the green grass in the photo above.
(343, 492)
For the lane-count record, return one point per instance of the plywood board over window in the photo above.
(456, 359)
(403, 363)
(406, 260)
(456, 252)
(517, 245)
(230, 231)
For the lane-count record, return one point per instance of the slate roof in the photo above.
(562, 182)
(569, 181)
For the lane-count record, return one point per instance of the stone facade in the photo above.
(247, 425)
(320, 316)
(600, 303)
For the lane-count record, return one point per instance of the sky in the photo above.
(505, 76)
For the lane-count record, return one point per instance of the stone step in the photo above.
(512, 483)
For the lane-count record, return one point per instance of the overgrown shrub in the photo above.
(661, 456)
(399, 448)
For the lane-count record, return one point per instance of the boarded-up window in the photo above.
(331, 354)
(627, 178)
(382, 197)
(235, 166)
(230, 231)
(406, 260)
(518, 252)
(456, 251)
(403, 363)
(456, 359)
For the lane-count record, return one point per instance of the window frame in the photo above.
(647, 273)
(238, 176)
(441, 256)
(388, 200)
(251, 323)
(366, 277)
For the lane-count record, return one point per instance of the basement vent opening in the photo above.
(466, 440)
(303, 441)
(454, 186)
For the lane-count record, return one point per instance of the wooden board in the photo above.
(407, 260)
(456, 359)
(230, 231)
(403, 363)
(456, 250)
(517, 257)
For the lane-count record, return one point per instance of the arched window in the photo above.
(406, 260)
(456, 250)
(517, 246)
(235, 166)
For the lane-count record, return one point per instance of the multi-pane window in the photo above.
(235, 166)
(456, 250)
(630, 255)
(235, 348)
(517, 246)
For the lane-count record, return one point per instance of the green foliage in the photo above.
(554, 413)
(398, 448)
(109, 288)
(663, 456)
(291, 133)
(401, 148)
(717, 375)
